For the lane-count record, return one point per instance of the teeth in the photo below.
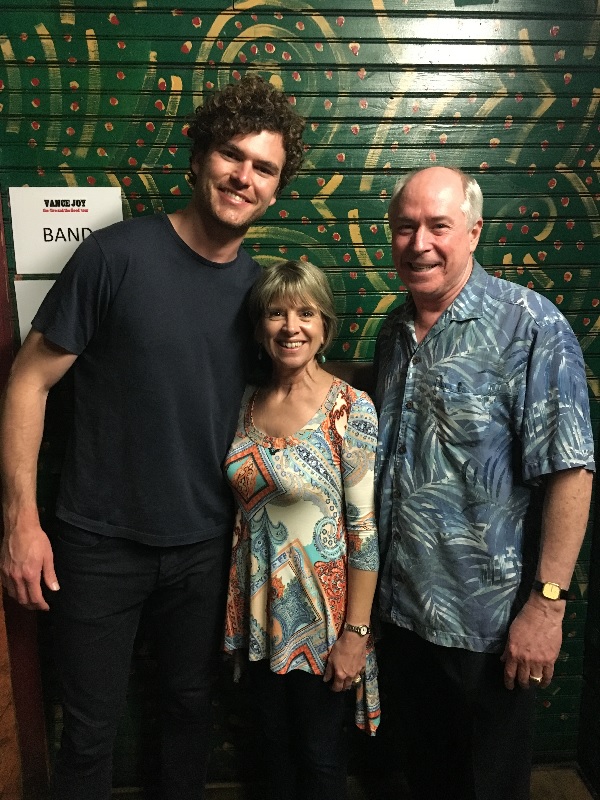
(291, 345)
(234, 195)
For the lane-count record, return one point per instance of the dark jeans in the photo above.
(463, 734)
(303, 738)
(104, 584)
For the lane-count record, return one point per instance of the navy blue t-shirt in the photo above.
(162, 338)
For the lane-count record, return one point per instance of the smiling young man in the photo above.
(483, 477)
(150, 314)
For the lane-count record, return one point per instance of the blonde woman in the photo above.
(305, 553)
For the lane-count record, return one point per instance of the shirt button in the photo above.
(402, 449)
(416, 360)
(409, 404)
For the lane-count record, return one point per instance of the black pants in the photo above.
(462, 734)
(303, 739)
(105, 582)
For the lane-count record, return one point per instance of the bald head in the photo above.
(472, 205)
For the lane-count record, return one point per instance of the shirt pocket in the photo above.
(463, 416)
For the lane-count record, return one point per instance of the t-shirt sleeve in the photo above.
(557, 431)
(77, 302)
(358, 461)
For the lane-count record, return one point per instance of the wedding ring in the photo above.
(356, 680)
(534, 679)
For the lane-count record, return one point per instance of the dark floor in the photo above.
(547, 783)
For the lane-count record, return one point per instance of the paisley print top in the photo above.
(305, 511)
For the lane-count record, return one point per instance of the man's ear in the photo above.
(474, 234)
(196, 163)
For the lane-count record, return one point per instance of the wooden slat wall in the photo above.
(10, 757)
(589, 725)
(11, 784)
(97, 93)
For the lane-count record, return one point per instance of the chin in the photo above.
(236, 227)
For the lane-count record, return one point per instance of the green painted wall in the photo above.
(97, 93)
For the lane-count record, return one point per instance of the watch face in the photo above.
(551, 591)
(362, 630)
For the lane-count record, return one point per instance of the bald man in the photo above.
(484, 476)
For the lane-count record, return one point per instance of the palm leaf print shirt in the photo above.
(305, 511)
(493, 398)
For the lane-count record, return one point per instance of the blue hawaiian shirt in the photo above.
(470, 419)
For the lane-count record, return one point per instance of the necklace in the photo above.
(254, 396)
(267, 441)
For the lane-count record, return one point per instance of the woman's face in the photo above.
(291, 333)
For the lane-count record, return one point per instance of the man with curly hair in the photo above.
(149, 317)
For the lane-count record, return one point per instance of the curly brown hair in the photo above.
(250, 106)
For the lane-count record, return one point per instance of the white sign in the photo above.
(49, 222)
(29, 296)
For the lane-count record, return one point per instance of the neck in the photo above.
(291, 380)
(210, 240)
(424, 322)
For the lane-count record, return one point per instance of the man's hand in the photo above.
(346, 660)
(25, 558)
(534, 641)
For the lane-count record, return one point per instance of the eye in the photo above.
(227, 153)
(274, 313)
(265, 169)
(308, 313)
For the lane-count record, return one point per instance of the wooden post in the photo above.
(23, 750)
(10, 757)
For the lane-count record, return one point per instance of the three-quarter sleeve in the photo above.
(358, 461)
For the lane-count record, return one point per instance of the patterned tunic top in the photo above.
(305, 510)
(470, 418)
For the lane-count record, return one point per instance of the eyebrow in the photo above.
(441, 218)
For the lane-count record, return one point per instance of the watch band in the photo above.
(362, 630)
(550, 590)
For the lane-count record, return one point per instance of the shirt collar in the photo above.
(469, 303)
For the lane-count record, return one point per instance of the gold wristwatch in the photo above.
(362, 630)
(551, 591)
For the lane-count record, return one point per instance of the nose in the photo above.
(291, 322)
(420, 240)
(241, 172)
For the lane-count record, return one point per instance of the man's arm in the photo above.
(535, 636)
(26, 553)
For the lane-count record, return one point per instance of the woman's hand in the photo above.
(346, 661)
